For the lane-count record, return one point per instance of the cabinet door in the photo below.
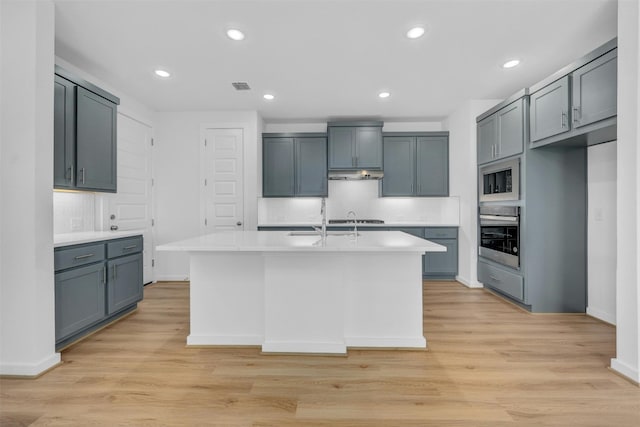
(549, 112)
(510, 130)
(79, 299)
(594, 90)
(442, 263)
(341, 147)
(311, 166)
(278, 174)
(64, 107)
(125, 282)
(95, 142)
(487, 133)
(368, 147)
(432, 170)
(399, 166)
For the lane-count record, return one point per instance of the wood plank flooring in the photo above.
(488, 364)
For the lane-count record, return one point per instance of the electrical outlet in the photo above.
(76, 224)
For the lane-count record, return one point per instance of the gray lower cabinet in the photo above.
(95, 284)
(294, 165)
(80, 299)
(502, 134)
(416, 164)
(501, 280)
(354, 145)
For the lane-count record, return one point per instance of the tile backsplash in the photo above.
(362, 198)
(73, 212)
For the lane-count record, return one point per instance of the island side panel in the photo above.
(304, 303)
(226, 298)
(383, 305)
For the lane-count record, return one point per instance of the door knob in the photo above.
(239, 223)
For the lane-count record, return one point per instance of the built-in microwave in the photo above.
(499, 182)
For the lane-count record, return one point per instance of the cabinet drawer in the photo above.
(441, 232)
(504, 281)
(132, 245)
(78, 255)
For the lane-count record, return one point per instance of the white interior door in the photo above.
(223, 180)
(130, 207)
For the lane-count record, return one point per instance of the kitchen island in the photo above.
(299, 293)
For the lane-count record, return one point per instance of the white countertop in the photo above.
(386, 224)
(76, 238)
(282, 241)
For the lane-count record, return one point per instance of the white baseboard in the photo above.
(386, 342)
(30, 369)
(468, 283)
(602, 315)
(626, 370)
(171, 278)
(213, 340)
(329, 347)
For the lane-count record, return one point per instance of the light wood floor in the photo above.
(488, 364)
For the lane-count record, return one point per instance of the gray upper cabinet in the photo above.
(399, 166)
(355, 145)
(278, 167)
(502, 133)
(64, 133)
(294, 165)
(594, 90)
(577, 105)
(311, 166)
(550, 110)
(84, 135)
(95, 142)
(432, 170)
(416, 164)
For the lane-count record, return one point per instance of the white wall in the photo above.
(27, 335)
(463, 183)
(177, 178)
(601, 224)
(74, 212)
(628, 184)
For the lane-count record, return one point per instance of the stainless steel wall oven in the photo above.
(500, 234)
(499, 181)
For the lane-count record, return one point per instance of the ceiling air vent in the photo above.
(241, 85)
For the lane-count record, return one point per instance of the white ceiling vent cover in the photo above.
(241, 85)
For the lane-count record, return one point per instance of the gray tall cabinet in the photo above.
(560, 117)
(85, 118)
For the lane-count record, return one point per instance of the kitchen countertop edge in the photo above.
(80, 237)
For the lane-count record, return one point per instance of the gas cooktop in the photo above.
(358, 221)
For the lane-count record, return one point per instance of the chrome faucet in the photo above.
(323, 211)
(355, 223)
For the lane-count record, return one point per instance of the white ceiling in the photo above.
(327, 59)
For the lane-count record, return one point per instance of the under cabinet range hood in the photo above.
(355, 175)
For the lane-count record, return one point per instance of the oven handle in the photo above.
(499, 218)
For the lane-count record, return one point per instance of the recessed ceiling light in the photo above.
(234, 34)
(511, 63)
(384, 94)
(162, 73)
(415, 32)
(268, 96)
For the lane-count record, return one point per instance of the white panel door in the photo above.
(130, 207)
(223, 180)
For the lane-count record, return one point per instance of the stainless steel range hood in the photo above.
(351, 175)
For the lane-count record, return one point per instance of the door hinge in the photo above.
(205, 142)
(205, 181)
(153, 222)
(153, 182)
(153, 263)
(152, 142)
(205, 221)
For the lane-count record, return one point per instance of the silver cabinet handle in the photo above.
(84, 256)
(576, 112)
(114, 271)
(82, 173)
(104, 275)
(497, 150)
(494, 278)
(563, 117)
(126, 248)
(71, 174)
